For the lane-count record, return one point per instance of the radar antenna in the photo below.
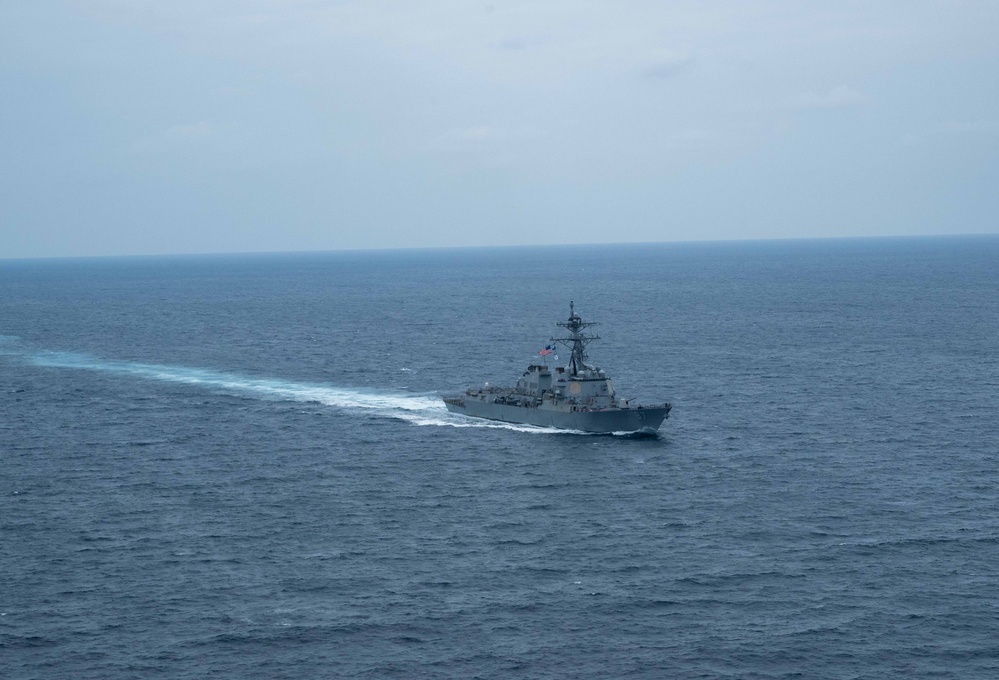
(578, 341)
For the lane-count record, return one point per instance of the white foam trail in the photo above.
(418, 409)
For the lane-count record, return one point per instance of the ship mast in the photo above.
(578, 342)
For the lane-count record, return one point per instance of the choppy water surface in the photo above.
(240, 466)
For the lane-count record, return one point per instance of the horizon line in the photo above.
(397, 249)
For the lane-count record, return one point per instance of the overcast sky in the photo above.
(188, 126)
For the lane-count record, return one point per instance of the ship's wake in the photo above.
(422, 409)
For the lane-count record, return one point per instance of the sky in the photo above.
(138, 127)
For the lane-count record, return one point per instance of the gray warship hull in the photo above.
(637, 419)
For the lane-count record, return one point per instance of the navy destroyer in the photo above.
(576, 396)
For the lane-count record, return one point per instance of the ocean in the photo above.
(240, 466)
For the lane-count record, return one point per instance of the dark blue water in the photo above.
(239, 467)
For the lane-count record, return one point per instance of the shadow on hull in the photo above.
(643, 421)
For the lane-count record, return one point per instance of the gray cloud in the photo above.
(837, 97)
(256, 124)
(666, 64)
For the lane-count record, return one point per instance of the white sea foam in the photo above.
(418, 409)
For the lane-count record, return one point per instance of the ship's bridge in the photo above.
(589, 386)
